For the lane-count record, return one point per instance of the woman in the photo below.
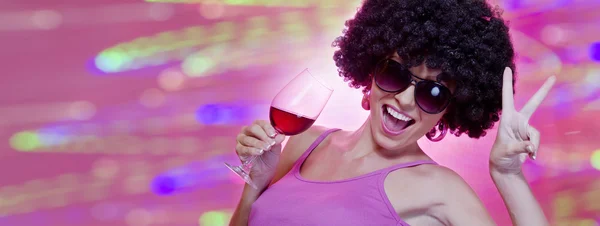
(442, 64)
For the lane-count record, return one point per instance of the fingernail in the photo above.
(533, 157)
(529, 148)
(261, 152)
(273, 134)
(272, 143)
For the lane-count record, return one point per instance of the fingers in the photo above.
(258, 132)
(244, 152)
(267, 127)
(255, 140)
(530, 144)
(279, 138)
(507, 89)
(534, 138)
(538, 97)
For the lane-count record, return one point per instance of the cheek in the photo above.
(428, 121)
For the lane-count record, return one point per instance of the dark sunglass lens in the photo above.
(393, 77)
(432, 97)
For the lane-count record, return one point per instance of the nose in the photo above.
(406, 98)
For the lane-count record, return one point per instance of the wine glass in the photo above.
(293, 110)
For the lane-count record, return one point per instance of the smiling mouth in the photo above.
(395, 122)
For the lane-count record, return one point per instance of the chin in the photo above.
(384, 139)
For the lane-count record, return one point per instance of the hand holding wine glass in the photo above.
(259, 139)
(293, 111)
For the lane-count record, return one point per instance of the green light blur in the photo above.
(25, 141)
(197, 65)
(595, 159)
(111, 61)
(252, 32)
(214, 218)
(299, 31)
(204, 61)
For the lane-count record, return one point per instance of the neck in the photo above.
(361, 143)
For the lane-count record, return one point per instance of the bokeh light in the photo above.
(81, 110)
(138, 217)
(198, 65)
(553, 35)
(212, 9)
(105, 168)
(25, 141)
(592, 83)
(595, 51)
(152, 98)
(595, 159)
(164, 185)
(105, 211)
(47, 19)
(214, 218)
(185, 176)
(110, 61)
(224, 114)
(171, 79)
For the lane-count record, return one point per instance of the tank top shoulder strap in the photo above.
(313, 146)
(407, 165)
(380, 185)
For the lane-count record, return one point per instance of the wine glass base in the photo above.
(243, 174)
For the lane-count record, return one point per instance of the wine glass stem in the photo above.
(247, 165)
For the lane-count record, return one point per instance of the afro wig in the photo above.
(466, 39)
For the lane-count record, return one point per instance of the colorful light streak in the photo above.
(547, 62)
(191, 177)
(117, 144)
(75, 188)
(266, 3)
(173, 46)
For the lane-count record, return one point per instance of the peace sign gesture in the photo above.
(516, 139)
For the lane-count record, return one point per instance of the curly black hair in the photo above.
(467, 39)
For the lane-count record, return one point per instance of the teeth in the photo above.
(397, 115)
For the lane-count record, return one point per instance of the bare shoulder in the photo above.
(439, 192)
(294, 148)
(432, 180)
(305, 138)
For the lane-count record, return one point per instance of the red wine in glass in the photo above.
(289, 123)
(293, 111)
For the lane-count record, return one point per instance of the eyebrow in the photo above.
(436, 78)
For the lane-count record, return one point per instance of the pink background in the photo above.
(122, 112)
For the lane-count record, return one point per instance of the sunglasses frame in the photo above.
(414, 80)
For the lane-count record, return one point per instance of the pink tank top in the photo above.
(295, 201)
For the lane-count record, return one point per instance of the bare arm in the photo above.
(461, 204)
(291, 152)
(242, 211)
(522, 205)
(463, 207)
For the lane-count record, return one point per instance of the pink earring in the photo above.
(443, 128)
(365, 101)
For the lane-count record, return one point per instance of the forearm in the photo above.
(242, 212)
(522, 205)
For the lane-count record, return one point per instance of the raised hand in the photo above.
(516, 139)
(260, 144)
